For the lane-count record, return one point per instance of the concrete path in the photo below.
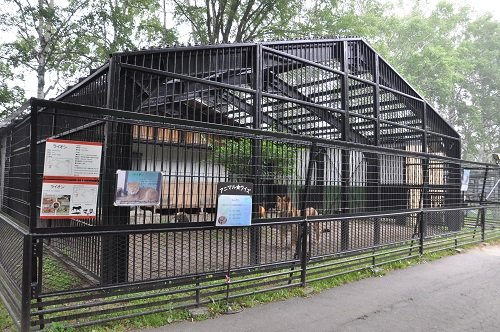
(457, 293)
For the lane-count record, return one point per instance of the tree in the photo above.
(278, 159)
(46, 39)
(482, 102)
(10, 96)
(55, 41)
(452, 60)
(344, 18)
(226, 21)
(120, 25)
(450, 57)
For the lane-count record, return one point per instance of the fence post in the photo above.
(28, 264)
(26, 283)
(483, 223)
(482, 208)
(303, 256)
(117, 154)
(304, 225)
(256, 153)
(345, 194)
(421, 232)
(424, 203)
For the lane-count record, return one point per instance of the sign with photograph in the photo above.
(465, 180)
(234, 204)
(68, 199)
(66, 159)
(138, 188)
(70, 179)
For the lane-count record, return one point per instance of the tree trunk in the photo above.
(44, 39)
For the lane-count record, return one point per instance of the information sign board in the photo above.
(66, 159)
(67, 199)
(234, 204)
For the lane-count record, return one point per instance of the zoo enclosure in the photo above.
(326, 123)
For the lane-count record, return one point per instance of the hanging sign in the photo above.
(67, 199)
(465, 180)
(138, 188)
(234, 204)
(69, 159)
(70, 179)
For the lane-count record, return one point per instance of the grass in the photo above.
(6, 323)
(54, 279)
(216, 308)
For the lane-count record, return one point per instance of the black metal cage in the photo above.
(351, 168)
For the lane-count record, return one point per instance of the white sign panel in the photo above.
(465, 180)
(68, 159)
(66, 199)
(234, 204)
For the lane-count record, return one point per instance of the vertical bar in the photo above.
(303, 255)
(29, 261)
(424, 127)
(421, 232)
(483, 223)
(425, 179)
(256, 151)
(33, 166)
(481, 201)
(424, 204)
(3, 155)
(26, 283)
(346, 169)
(117, 155)
(376, 162)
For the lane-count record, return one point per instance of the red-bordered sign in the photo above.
(70, 179)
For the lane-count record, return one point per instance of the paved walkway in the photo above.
(456, 293)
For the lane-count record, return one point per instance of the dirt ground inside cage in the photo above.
(185, 252)
(191, 251)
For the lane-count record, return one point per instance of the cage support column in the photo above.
(303, 234)
(481, 201)
(117, 155)
(345, 154)
(26, 284)
(3, 155)
(28, 262)
(425, 203)
(256, 153)
(375, 199)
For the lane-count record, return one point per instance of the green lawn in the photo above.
(216, 308)
(6, 323)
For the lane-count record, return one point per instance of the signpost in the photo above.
(234, 209)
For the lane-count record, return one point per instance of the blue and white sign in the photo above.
(234, 204)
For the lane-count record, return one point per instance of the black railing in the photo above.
(351, 169)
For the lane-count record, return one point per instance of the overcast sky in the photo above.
(479, 6)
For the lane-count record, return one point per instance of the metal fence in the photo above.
(351, 169)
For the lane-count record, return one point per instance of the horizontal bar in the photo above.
(89, 78)
(13, 223)
(243, 130)
(302, 60)
(183, 48)
(338, 72)
(186, 78)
